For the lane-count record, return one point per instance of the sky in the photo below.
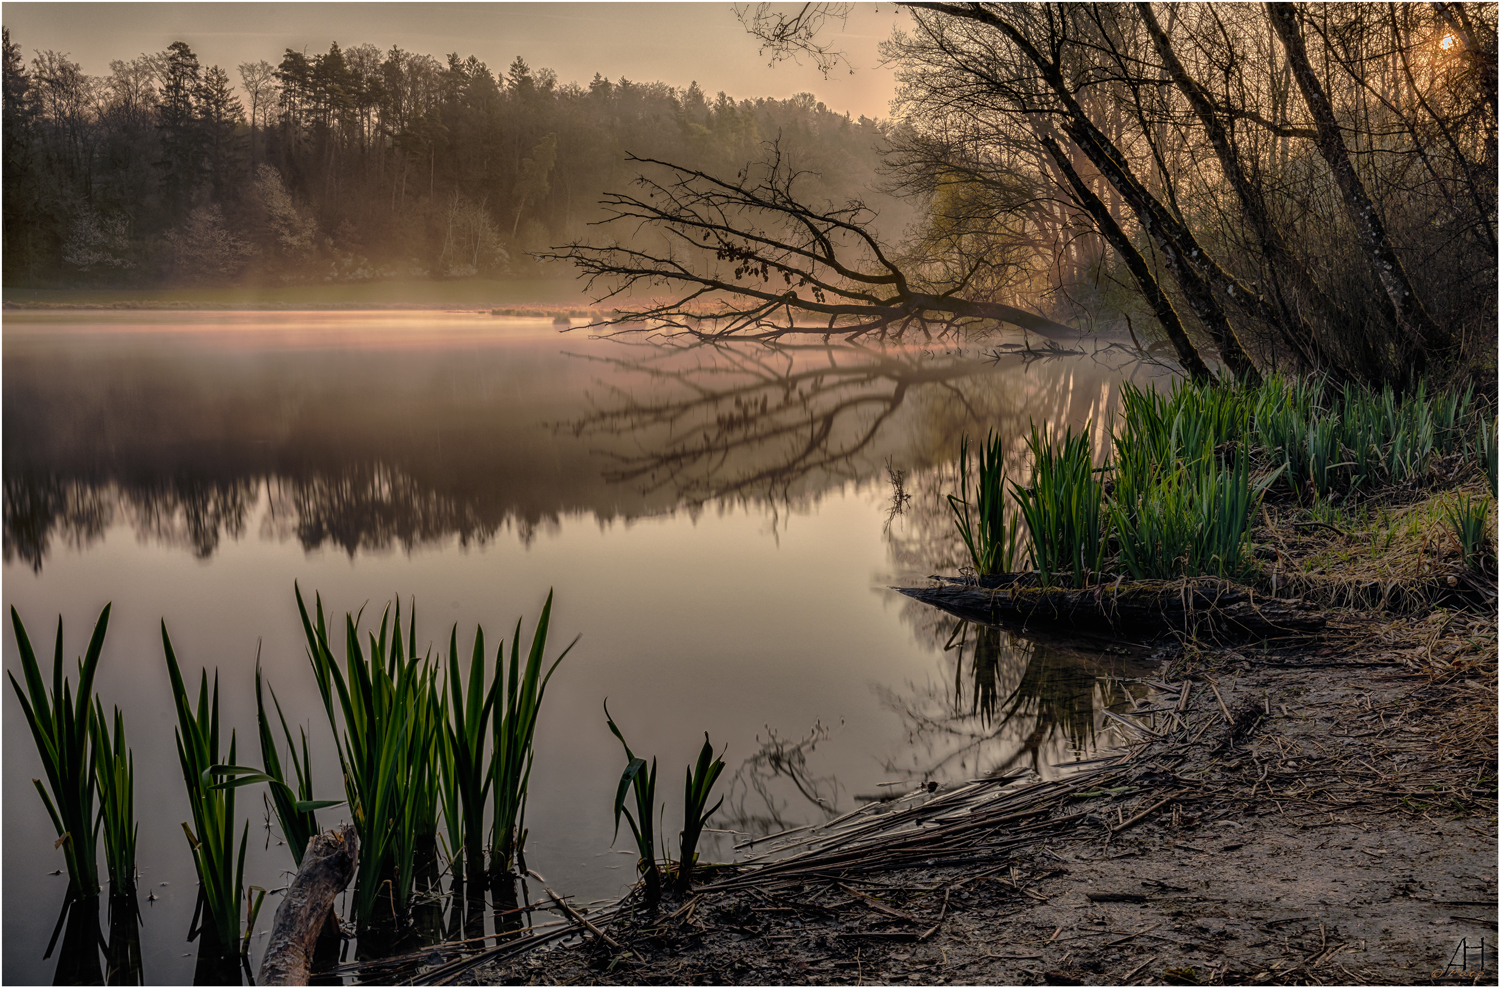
(675, 43)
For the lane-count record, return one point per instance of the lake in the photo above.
(720, 525)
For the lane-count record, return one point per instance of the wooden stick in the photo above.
(580, 918)
(1222, 705)
(327, 866)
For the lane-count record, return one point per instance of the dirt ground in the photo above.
(1323, 813)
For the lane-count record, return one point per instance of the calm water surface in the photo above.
(719, 524)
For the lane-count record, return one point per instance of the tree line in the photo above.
(350, 164)
(1306, 186)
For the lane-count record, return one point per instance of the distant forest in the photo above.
(355, 163)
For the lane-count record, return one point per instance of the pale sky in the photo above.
(676, 43)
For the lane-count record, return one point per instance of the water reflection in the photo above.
(78, 941)
(213, 450)
(1008, 702)
(190, 446)
(778, 784)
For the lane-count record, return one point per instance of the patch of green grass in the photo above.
(1469, 520)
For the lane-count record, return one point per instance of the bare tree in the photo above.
(747, 257)
(259, 80)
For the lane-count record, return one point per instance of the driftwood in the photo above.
(327, 866)
(1140, 606)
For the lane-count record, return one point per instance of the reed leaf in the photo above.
(467, 712)
(114, 765)
(641, 782)
(1064, 509)
(991, 538)
(379, 710)
(697, 788)
(296, 809)
(60, 721)
(211, 836)
(516, 705)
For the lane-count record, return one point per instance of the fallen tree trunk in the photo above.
(327, 866)
(1203, 604)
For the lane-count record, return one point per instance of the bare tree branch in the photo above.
(790, 36)
(748, 258)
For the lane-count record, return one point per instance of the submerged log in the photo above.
(1202, 604)
(327, 866)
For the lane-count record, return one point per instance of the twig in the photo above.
(580, 918)
(1137, 970)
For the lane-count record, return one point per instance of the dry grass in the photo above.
(1374, 554)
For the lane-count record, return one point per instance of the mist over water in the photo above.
(718, 523)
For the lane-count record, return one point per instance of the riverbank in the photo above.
(1318, 813)
(1317, 809)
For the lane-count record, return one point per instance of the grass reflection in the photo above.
(1011, 702)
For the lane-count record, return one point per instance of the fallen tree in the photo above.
(750, 258)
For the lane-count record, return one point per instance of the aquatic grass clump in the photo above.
(211, 836)
(384, 731)
(641, 782)
(994, 541)
(60, 722)
(518, 701)
(114, 766)
(1469, 520)
(1064, 509)
(697, 787)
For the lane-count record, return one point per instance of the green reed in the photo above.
(211, 836)
(1486, 453)
(1064, 509)
(60, 723)
(467, 711)
(381, 702)
(1469, 519)
(114, 768)
(697, 788)
(449, 800)
(636, 779)
(296, 810)
(993, 540)
(517, 702)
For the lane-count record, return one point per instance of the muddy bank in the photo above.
(1317, 813)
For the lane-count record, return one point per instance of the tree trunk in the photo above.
(327, 866)
(1411, 318)
(1161, 305)
(1276, 249)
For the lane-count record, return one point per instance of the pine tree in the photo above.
(181, 162)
